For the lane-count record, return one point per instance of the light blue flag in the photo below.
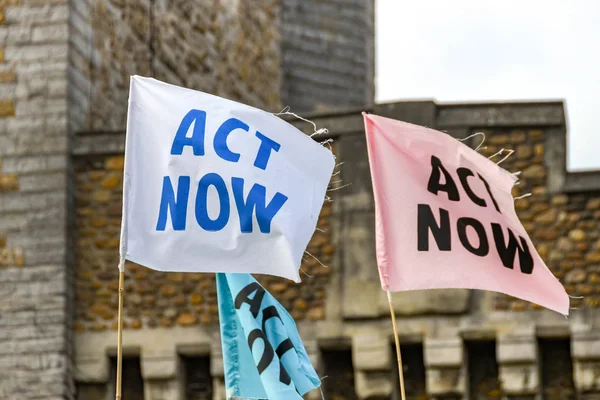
(263, 355)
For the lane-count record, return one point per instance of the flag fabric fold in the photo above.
(445, 218)
(263, 355)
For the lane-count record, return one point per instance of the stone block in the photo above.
(371, 352)
(516, 349)
(22, 53)
(519, 379)
(41, 14)
(7, 108)
(11, 257)
(585, 346)
(13, 34)
(158, 366)
(361, 297)
(587, 375)
(43, 182)
(370, 385)
(7, 75)
(33, 164)
(9, 183)
(355, 170)
(8, 91)
(445, 381)
(443, 353)
(22, 202)
(419, 302)
(92, 368)
(50, 33)
(161, 389)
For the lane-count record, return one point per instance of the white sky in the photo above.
(471, 50)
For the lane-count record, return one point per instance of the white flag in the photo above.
(212, 185)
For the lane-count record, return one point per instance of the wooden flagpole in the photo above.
(120, 337)
(397, 340)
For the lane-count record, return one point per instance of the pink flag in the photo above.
(445, 218)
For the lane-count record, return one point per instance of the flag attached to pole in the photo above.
(263, 355)
(445, 218)
(211, 185)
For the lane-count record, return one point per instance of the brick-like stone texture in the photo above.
(227, 48)
(327, 54)
(35, 326)
(565, 228)
(159, 299)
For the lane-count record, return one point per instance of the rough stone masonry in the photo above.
(64, 70)
(36, 286)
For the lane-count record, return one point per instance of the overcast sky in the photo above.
(469, 50)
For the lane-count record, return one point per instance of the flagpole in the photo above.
(120, 337)
(397, 340)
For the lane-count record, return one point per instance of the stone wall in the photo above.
(159, 299)
(565, 227)
(344, 309)
(328, 54)
(225, 47)
(35, 323)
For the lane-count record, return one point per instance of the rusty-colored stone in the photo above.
(7, 76)
(116, 163)
(522, 204)
(545, 234)
(315, 314)
(7, 107)
(206, 319)
(196, 298)
(328, 250)
(176, 277)
(179, 301)
(593, 257)
(96, 175)
(546, 218)
(583, 247)
(576, 276)
(135, 324)
(111, 181)
(560, 200)
(278, 287)
(168, 290)
(524, 152)
(101, 196)
(577, 235)
(98, 222)
(593, 204)
(534, 171)
(78, 327)
(187, 319)
(9, 183)
(301, 305)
